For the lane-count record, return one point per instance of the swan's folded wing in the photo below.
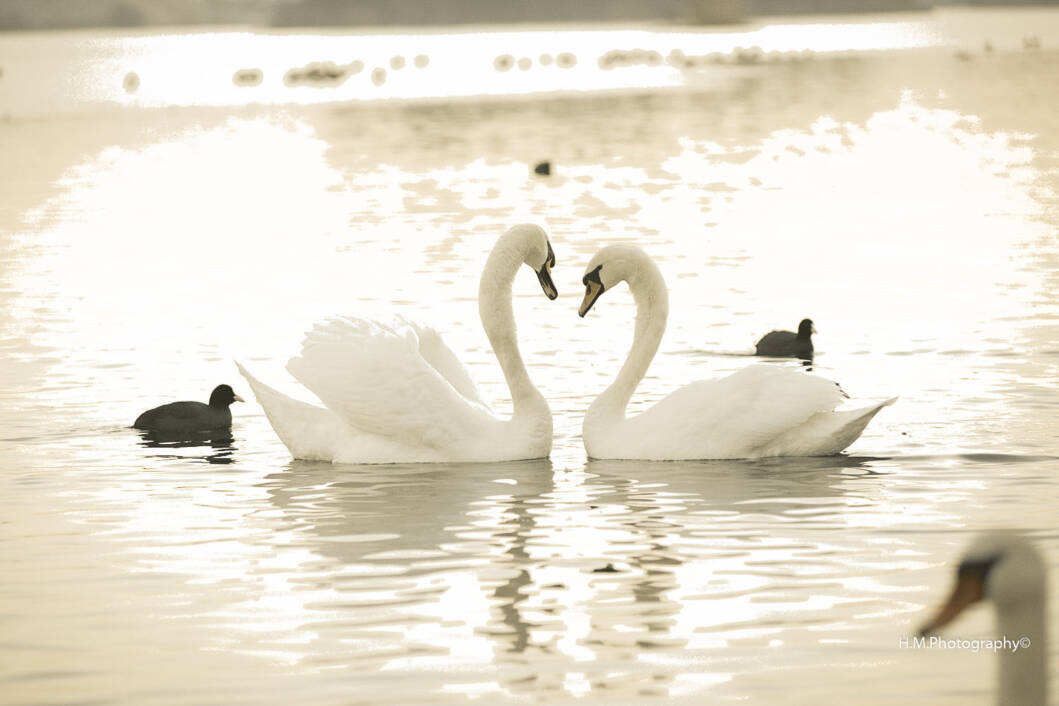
(747, 409)
(374, 377)
(441, 357)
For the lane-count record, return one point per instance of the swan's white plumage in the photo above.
(442, 359)
(376, 378)
(395, 393)
(1006, 569)
(756, 412)
(309, 432)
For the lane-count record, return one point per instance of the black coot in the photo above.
(191, 416)
(784, 344)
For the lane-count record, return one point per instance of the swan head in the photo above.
(1000, 567)
(806, 328)
(611, 266)
(532, 242)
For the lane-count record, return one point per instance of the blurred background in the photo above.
(187, 183)
(57, 14)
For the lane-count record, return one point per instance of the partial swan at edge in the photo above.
(1007, 570)
(756, 412)
(395, 393)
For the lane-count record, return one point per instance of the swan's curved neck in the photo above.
(652, 309)
(498, 320)
(1023, 671)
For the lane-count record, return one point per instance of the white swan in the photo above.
(395, 393)
(759, 411)
(1007, 570)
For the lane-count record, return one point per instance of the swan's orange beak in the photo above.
(969, 589)
(544, 275)
(593, 288)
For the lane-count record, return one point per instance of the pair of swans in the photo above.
(395, 393)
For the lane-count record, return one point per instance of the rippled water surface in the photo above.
(897, 184)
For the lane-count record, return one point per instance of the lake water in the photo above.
(891, 177)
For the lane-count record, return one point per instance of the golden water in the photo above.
(900, 194)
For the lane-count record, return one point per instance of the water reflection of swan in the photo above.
(431, 568)
(399, 545)
(756, 412)
(692, 551)
(396, 508)
(1007, 570)
(397, 394)
(727, 484)
(395, 530)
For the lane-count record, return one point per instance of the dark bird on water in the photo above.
(191, 416)
(543, 168)
(784, 344)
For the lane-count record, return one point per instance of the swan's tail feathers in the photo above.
(826, 433)
(850, 424)
(865, 414)
(308, 431)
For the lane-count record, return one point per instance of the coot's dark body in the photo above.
(785, 344)
(191, 416)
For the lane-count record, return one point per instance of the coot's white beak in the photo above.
(238, 398)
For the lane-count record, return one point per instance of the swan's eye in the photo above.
(593, 276)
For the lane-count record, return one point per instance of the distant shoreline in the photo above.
(30, 15)
(263, 15)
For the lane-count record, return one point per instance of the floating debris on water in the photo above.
(131, 82)
(617, 58)
(740, 56)
(566, 60)
(543, 168)
(504, 62)
(323, 74)
(248, 77)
